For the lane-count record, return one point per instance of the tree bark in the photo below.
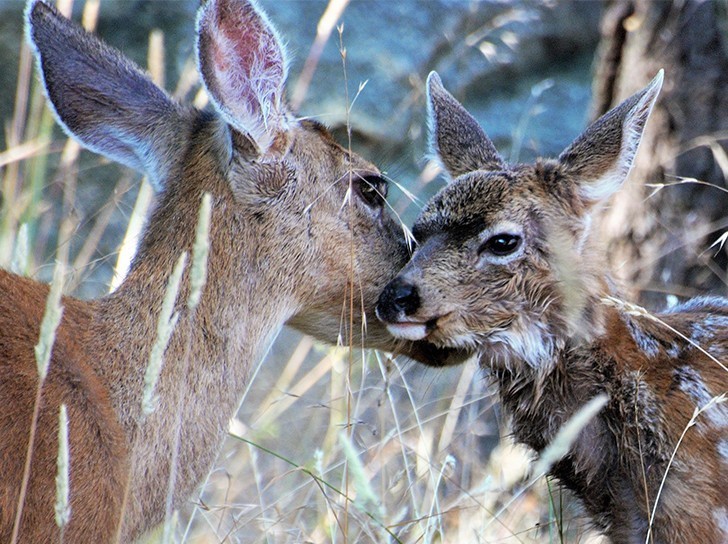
(659, 229)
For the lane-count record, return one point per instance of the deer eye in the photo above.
(372, 190)
(501, 244)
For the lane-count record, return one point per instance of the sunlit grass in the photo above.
(63, 503)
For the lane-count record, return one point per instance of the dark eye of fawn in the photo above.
(501, 244)
(373, 190)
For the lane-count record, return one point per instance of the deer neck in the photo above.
(541, 395)
(543, 385)
(212, 347)
(536, 340)
(210, 352)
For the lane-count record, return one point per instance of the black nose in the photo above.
(398, 299)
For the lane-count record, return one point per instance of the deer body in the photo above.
(627, 447)
(506, 265)
(284, 246)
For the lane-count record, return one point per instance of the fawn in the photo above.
(506, 264)
(284, 247)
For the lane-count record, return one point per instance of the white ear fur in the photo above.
(603, 156)
(433, 153)
(243, 67)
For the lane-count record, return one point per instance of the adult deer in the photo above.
(506, 263)
(298, 222)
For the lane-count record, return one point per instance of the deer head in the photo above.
(308, 213)
(505, 262)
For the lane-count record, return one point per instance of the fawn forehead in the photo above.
(479, 200)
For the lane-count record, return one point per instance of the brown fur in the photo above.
(284, 246)
(97, 445)
(542, 320)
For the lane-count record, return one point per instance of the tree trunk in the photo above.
(659, 229)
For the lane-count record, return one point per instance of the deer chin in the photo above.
(421, 329)
(406, 330)
(432, 353)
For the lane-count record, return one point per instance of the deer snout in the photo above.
(400, 307)
(399, 301)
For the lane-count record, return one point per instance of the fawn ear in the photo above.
(602, 157)
(243, 68)
(110, 105)
(455, 135)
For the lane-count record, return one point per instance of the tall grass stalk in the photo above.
(434, 525)
(351, 279)
(49, 324)
(408, 469)
(15, 137)
(68, 174)
(556, 516)
(37, 168)
(318, 478)
(530, 111)
(133, 233)
(197, 279)
(43, 350)
(568, 434)
(200, 252)
(170, 525)
(19, 263)
(366, 498)
(166, 323)
(327, 22)
(85, 256)
(145, 196)
(165, 327)
(557, 448)
(719, 399)
(63, 504)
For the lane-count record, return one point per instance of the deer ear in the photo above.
(110, 105)
(455, 135)
(243, 67)
(602, 157)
